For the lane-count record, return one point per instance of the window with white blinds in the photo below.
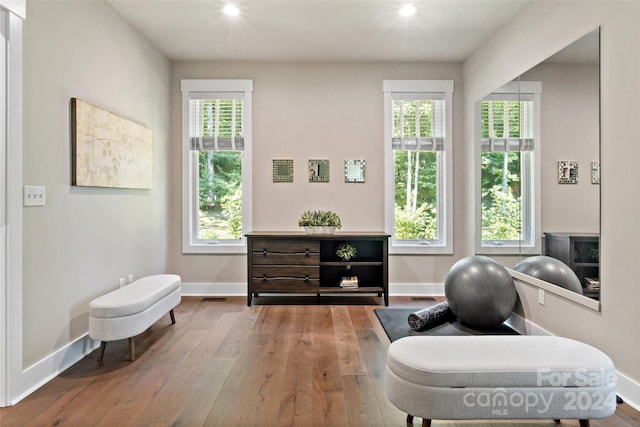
(508, 162)
(418, 171)
(216, 133)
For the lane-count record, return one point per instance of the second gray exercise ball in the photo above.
(550, 270)
(481, 292)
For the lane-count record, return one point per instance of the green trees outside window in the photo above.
(220, 194)
(219, 169)
(415, 195)
(501, 125)
(416, 123)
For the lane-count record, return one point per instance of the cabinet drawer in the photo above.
(287, 246)
(286, 252)
(285, 278)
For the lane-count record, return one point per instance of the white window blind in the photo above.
(215, 123)
(507, 123)
(418, 121)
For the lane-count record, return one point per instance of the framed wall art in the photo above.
(354, 171)
(282, 170)
(318, 170)
(108, 150)
(567, 172)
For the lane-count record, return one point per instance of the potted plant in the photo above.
(320, 222)
(346, 251)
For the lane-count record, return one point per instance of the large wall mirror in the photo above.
(560, 138)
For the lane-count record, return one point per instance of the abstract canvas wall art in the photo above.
(109, 150)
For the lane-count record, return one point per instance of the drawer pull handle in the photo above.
(306, 252)
(306, 278)
(264, 277)
(264, 251)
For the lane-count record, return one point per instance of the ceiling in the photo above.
(319, 30)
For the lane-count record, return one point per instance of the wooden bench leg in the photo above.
(584, 423)
(173, 317)
(132, 350)
(103, 345)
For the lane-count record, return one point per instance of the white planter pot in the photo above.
(319, 229)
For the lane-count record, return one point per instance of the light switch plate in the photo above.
(34, 195)
(541, 296)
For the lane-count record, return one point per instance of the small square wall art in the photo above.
(567, 172)
(282, 170)
(318, 170)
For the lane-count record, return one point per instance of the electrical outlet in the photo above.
(130, 278)
(541, 296)
(121, 281)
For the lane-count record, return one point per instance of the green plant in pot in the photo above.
(345, 251)
(320, 221)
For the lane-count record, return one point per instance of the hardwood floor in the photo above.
(226, 364)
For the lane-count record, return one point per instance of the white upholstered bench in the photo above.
(499, 377)
(132, 309)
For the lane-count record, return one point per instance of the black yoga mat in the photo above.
(395, 324)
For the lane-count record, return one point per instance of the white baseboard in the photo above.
(214, 289)
(524, 326)
(416, 289)
(43, 371)
(628, 390)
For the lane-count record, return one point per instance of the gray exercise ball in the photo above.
(481, 292)
(550, 270)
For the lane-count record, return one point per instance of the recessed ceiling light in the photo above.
(231, 10)
(407, 10)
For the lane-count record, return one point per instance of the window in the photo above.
(418, 195)
(509, 146)
(216, 148)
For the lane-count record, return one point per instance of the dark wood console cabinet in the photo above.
(580, 251)
(296, 262)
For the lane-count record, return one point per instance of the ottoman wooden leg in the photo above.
(103, 345)
(409, 419)
(173, 317)
(426, 422)
(132, 350)
(584, 423)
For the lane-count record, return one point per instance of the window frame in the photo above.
(216, 88)
(530, 244)
(445, 169)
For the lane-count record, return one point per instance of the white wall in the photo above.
(84, 239)
(305, 111)
(539, 31)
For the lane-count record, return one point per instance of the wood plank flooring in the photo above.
(226, 364)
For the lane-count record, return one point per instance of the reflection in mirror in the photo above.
(570, 135)
(566, 226)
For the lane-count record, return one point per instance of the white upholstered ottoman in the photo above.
(499, 377)
(132, 309)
